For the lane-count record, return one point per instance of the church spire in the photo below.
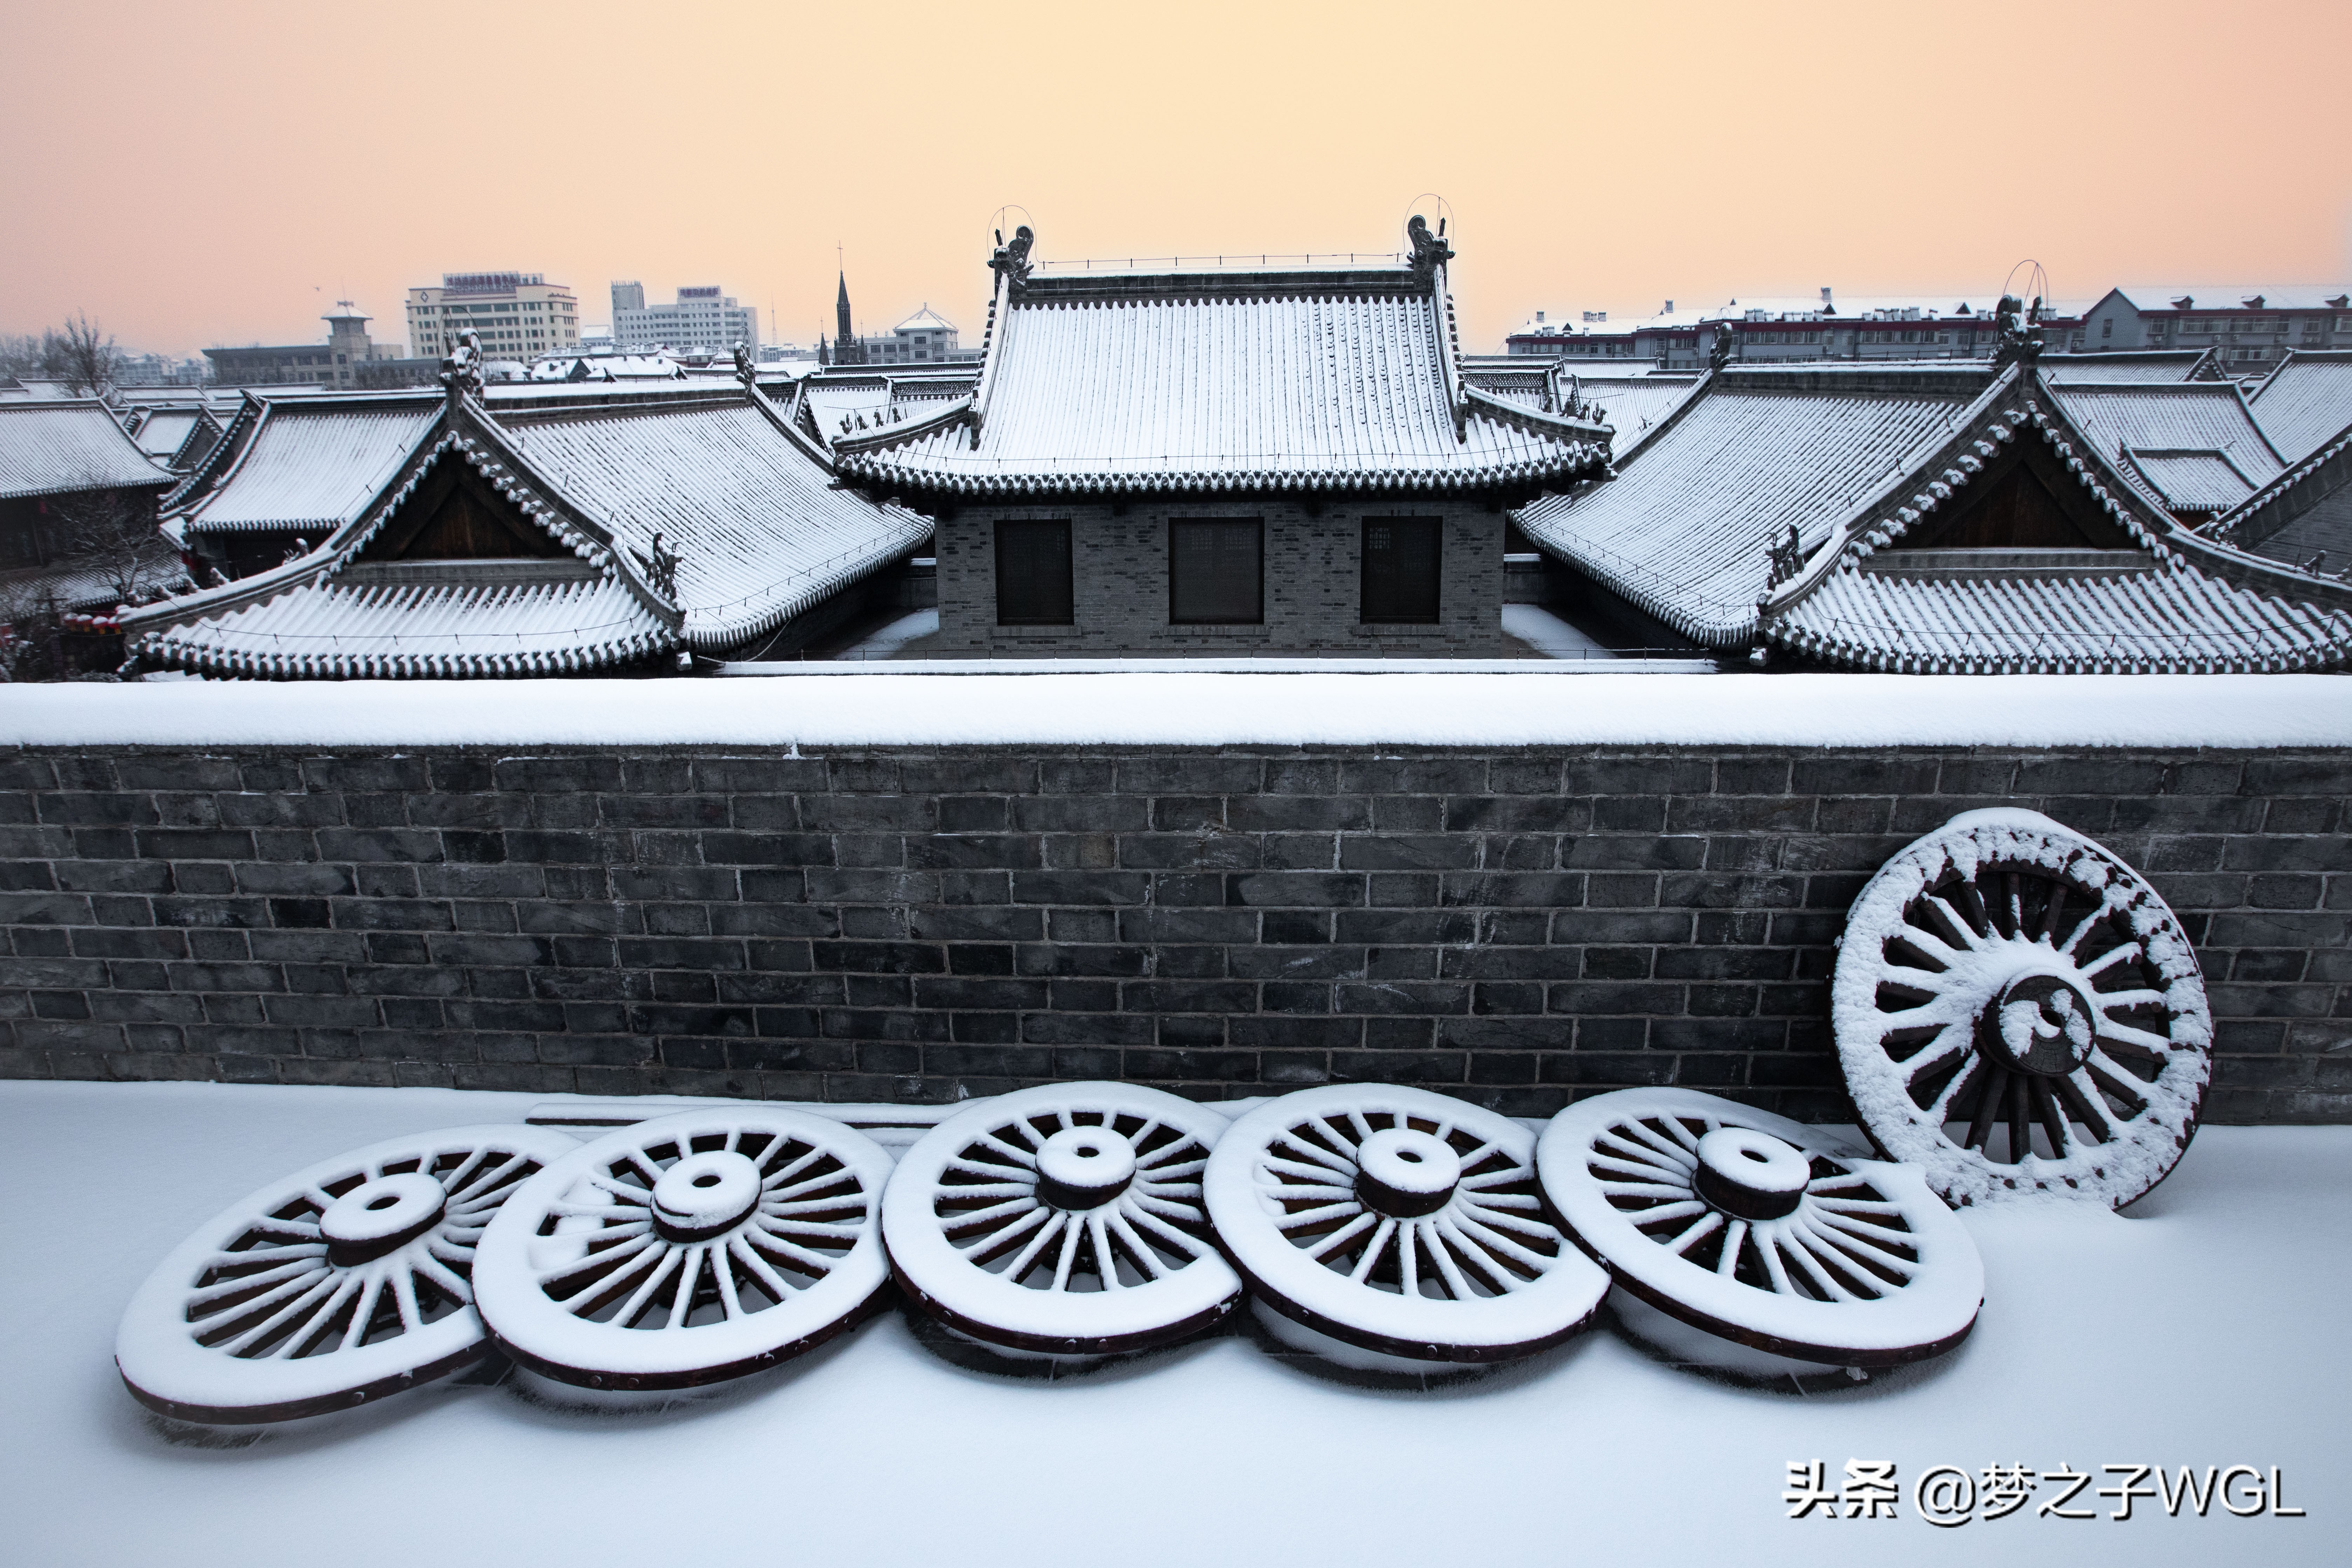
(846, 349)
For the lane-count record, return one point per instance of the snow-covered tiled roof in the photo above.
(2307, 402)
(52, 447)
(1684, 528)
(2167, 601)
(85, 588)
(306, 466)
(2126, 365)
(744, 506)
(2181, 442)
(1338, 377)
(160, 434)
(357, 625)
(759, 531)
(2304, 517)
(2171, 618)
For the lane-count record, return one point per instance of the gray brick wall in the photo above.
(1514, 926)
(1313, 583)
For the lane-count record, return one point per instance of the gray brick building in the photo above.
(1276, 461)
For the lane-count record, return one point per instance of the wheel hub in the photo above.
(2040, 1023)
(1749, 1174)
(1403, 1173)
(704, 1195)
(1084, 1167)
(379, 1217)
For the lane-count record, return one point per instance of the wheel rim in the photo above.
(1065, 1218)
(1688, 1201)
(1315, 1197)
(344, 1282)
(2017, 1010)
(687, 1251)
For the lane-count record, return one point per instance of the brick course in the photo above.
(1517, 927)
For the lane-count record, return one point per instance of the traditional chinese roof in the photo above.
(2305, 402)
(664, 520)
(81, 588)
(56, 446)
(1918, 581)
(1292, 378)
(305, 465)
(2192, 446)
(2304, 517)
(1631, 403)
(841, 404)
(759, 531)
(2125, 366)
(1682, 528)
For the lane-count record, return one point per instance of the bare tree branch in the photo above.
(83, 356)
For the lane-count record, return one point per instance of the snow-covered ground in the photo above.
(1301, 702)
(891, 639)
(2209, 1330)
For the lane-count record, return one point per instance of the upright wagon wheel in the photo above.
(2016, 1010)
(344, 1282)
(687, 1250)
(1400, 1222)
(1763, 1230)
(1065, 1219)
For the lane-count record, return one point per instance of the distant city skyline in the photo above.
(1593, 159)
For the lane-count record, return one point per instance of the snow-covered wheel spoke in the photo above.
(1761, 1230)
(1400, 1222)
(340, 1284)
(2017, 1010)
(1065, 1219)
(687, 1250)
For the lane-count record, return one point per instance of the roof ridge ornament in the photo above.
(2017, 330)
(461, 373)
(1430, 251)
(1011, 261)
(1718, 353)
(744, 373)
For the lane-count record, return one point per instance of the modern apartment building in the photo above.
(703, 318)
(2252, 326)
(519, 315)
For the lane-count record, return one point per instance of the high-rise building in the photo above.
(627, 296)
(703, 318)
(517, 314)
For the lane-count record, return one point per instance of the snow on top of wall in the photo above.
(906, 706)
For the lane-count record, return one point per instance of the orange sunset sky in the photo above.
(192, 173)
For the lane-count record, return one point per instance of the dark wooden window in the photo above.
(1032, 573)
(1216, 572)
(1401, 575)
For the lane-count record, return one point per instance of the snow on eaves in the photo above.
(759, 531)
(308, 466)
(52, 447)
(1292, 381)
(2307, 402)
(1683, 529)
(358, 626)
(2177, 604)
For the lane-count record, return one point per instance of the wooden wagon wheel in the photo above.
(344, 1282)
(687, 1250)
(1763, 1230)
(2018, 1011)
(1065, 1219)
(1398, 1221)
